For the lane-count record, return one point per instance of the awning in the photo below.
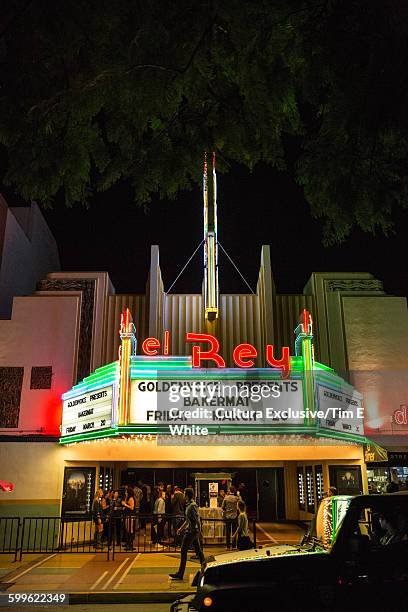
(392, 450)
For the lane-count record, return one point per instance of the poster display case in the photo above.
(78, 492)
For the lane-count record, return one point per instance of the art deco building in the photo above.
(63, 339)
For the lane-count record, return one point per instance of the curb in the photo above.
(135, 597)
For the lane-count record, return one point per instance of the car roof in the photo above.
(387, 498)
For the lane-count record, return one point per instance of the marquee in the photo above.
(148, 394)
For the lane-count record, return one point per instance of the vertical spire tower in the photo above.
(211, 293)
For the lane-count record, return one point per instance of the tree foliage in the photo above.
(95, 91)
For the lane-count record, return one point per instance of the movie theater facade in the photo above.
(265, 389)
(56, 450)
(285, 430)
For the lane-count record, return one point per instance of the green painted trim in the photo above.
(32, 510)
(277, 430)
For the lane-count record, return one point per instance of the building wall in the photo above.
(182, 314)
(37, 469)
(60, 326)
(93, 327)
(28, 251)
(327, 289)
(116, 304)
(43, 331)
(77, 313)
(376, 340)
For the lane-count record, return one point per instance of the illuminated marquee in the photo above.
(278, 403)
(90, 411)
(127, 395)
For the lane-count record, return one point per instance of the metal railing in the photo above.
(140, 533)
(10, 527)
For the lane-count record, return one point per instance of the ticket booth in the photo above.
(208, 487)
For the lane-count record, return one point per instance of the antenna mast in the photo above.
(211, 296)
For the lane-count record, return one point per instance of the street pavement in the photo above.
(130, 578)
(145, 607)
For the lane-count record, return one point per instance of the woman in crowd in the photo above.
(116, 518)
(158, 519)
(98, 518)
(145, 507)
(168, 495)
(106, 507)
(129, 517)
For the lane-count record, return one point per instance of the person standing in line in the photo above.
(106, 507)
(153, 526)
(98, 518)
(330, 492)
(129, 512)
(243, 493)
(138, 493)
(191, 530)
(145, 502)
(168, 494)
(220, 497)
(230, 512)
(159, 511)
(116, 519)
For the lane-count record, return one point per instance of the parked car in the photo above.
(356, 554)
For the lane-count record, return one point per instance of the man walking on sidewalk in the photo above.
(191, 529)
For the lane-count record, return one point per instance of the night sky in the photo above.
(262, 207)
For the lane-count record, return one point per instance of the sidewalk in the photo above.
(131, 577)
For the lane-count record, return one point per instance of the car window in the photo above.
(383, 524)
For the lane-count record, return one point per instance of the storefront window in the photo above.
(377, 480)
(400, 475)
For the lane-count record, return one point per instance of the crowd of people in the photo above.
(121, 513)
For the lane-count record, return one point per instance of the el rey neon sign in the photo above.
(243, 354)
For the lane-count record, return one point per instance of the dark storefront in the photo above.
(384, 467)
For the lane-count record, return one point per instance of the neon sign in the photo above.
(400, 416)
(243, 354)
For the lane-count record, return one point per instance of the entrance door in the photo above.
(271, 496)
